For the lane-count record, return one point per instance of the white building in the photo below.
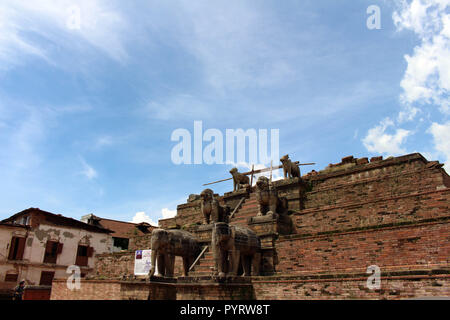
(38, 246)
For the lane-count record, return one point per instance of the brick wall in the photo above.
(89, 290)
(214, 291)
(392, 287)
(121, 264)
(389, 178)
(114, 265)
(113, 290)
(381, 211)
(141, 242)
(424, 245)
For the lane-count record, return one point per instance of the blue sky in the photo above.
(87, 109)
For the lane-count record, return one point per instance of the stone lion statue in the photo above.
(211, 209)
(290, 169)
(268, 199)
(239, 179)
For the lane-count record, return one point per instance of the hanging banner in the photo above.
(142, 262)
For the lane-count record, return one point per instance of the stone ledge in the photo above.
(365, 167)
(359, 204)
(113, 254)
(380, 227)
(368, 180)
(345, 276)
(214, 280)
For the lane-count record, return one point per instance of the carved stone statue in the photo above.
(290, 169)
(234, 244)
(211, 209)
(193, 197)
(268, 199)
(239, 179)
(166, 244)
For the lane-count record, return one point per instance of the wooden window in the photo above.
(16, 248)
(11, 277)
(52, 249)
(47, 278)
(83, 254)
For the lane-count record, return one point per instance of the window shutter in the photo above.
(20, 248)
(46, 278)
(60, 247)
(48, 247)
(11, 277)
(11, 248)
(90, 252)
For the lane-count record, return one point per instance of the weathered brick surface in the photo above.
(389, 178)
(381, 211)
(392, 288)
(214, 291)
(89, 290)
(142, 242)
(398, 247)
(120, 265)
(114, 265)
(110, 290)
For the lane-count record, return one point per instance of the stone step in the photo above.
(203, 269)
(200, 274)
(204, 265)
(207, 263)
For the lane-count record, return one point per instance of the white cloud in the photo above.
(427, 77)
(441, 139)
(39, 29)
(142, 217)
(104, 141)
(237, 43)
(378, 141)
(166, 213)
(426, 81)
(88, 171)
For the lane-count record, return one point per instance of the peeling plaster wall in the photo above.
(32, 265)
(6, 233)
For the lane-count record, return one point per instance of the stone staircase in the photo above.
(204, 266)
(247, 210)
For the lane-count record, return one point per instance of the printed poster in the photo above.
(142, 262)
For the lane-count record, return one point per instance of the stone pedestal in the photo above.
(212, 288)
(202, 233)
(293, 190)
(268, 228)
(232, 199)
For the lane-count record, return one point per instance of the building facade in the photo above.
(38, 246)
(123, 233)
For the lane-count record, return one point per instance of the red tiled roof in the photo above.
(122, 229)
(58, 220)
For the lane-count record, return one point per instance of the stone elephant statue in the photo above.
(234, 244)
(166, 244)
